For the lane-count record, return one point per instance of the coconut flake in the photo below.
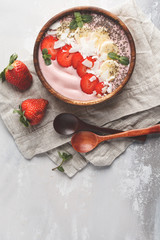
(95, 57)
(104, 89)
(109, 89)
(59, 44)
(91, 71)
(87, 63)
(87, 47)
(103, 57)
(55, 25)
(96, 65)
(92, 78)
(111, 78)
(73, 50)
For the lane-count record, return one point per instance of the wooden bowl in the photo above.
(92, 10)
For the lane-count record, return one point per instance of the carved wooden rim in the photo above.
(87, 9)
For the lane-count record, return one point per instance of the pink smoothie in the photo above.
(64, 80)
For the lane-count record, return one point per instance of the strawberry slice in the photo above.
(77, 57)
(82, 69)
(88, 83)
(48, 43)
(64, 58)
(100, 88)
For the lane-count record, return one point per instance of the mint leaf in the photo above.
(65, 157)
(73, 24)
(80, 24)
(60, 168)
(77, 15)
(79, 20)
(46, 56)
(47, 62)
(86, 18)
(124, 60)
(44, 51)
(113, 55)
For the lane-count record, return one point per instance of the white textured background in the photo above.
(121, 202)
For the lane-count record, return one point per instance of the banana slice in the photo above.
(82, 33)
(100, 37)
(108, 46)
(108, 70)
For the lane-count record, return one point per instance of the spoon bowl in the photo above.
(84, 141)
(66, 123)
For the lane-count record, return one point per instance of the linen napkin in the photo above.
(136, 106)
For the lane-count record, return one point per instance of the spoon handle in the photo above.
(109, 130)
(131, 133)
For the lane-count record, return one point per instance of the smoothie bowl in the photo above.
(84, 55)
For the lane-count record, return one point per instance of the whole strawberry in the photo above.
(32, 111)
(17, 74)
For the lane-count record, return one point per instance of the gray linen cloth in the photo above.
(135, 107)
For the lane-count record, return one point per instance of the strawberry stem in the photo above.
(2, 75)
(13, 57)
(22, 117)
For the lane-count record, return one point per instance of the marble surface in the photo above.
(119, 202)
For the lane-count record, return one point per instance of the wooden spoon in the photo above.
(84, 142)
(68, 123)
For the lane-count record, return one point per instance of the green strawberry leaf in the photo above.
(24, 121)
(86, 18)
(22, 117)
(73, 24)
(10, 67)
(13, 57)
(2, 75)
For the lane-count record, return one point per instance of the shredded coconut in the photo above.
(92, 79)
(87, 63)
(55, 25)
(104, 89)
(59, 44)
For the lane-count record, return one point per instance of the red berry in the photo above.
(77, 57)
(99, 88)
(32, 111)
(48, 43)
(64, 58)
(18, 74)
(87, 85)
(81, 69)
